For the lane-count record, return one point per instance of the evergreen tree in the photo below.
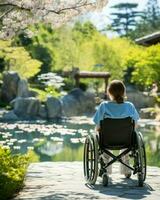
(150, 21)
(153, 13)
(124, 20)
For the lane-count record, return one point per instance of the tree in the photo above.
(124, 20)
(18, 59)
(81, 46)
(146, 65)
(87, 29)
(40, 46)
(153, 13)
(150, 20)
(16, 15)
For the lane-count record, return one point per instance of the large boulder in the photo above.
(42, 112)
(22, 88)
(148, 113)
(26, 108)
(71, 107)
(78, 102)
(10, 116)
(140, 99)
(33, 93)
(90, 102)
(9, 86)
(54, 107)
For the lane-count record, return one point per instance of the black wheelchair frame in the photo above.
(115, 134)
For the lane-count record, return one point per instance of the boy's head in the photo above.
(116, 91)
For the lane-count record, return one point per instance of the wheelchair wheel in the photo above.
(90, 159)
(141, 158)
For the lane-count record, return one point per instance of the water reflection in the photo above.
(64, 141)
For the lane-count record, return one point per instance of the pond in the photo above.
(63, 141)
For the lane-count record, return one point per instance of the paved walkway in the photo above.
(64, 180)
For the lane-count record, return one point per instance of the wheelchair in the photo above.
(115, 134)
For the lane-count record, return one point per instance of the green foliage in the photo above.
(128, 21)
(41, 45)
(42, 94)
(18, 59)
(149, 22)
(43, 54)
(49, 90)
(84, 31)
(124, 18)
(153, 13)
(12, 172)
(33, 156)
(60, 49)
(146, 65)
(68, 84)
(84, 47)
(52, 91)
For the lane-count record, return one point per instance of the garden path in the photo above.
(64, 180)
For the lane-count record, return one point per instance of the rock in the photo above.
(70, 106)
(33, 93)
(140, 99)
(26, 107)
(78, 102)
(148, 113)
(42, 112)
(54, 107)
(77, 93)
(90, 102)
(9, 86)
(10, 116)
(22, 88)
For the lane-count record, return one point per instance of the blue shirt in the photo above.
(111, 109)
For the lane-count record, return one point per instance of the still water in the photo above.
(63, 141)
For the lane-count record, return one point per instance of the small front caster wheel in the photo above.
(128, 175)
(105, 179)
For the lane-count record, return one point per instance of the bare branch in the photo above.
(5, 13)
(70, 8)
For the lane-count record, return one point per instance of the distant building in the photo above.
(149, 40)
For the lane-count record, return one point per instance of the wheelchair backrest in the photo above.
(116, 133)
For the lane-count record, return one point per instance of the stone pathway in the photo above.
(64, 180)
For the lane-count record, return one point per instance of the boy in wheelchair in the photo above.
(115, 124)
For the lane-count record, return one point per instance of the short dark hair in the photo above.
(117, 89)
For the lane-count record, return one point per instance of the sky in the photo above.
(102, 18)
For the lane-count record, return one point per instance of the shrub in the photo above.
(42, 94)
(18, 59)
(145, 61)
(12, 173)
